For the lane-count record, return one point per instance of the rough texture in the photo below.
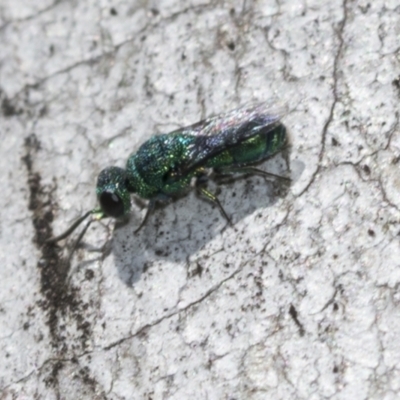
(300, 300)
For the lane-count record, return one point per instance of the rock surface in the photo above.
(299, 300)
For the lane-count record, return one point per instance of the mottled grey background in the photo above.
(300, 300)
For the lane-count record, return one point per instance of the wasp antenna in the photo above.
(71, 228)
(78, 240)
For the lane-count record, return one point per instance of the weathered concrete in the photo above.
(300, 300)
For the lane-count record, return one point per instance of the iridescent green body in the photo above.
(168, 165)
(150, 169)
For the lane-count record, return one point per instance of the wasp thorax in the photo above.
(112, 192)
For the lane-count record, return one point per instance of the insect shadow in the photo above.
(225, 147)
(179, 230)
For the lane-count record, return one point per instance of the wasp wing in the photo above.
(221, 132)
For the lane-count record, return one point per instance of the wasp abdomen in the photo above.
(255, 149)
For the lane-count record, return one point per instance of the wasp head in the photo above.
(112, 192)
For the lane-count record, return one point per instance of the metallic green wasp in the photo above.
(169, 165)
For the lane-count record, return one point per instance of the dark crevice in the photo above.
(8, 107)
(336, 62)
(293, 314)
(60, 301)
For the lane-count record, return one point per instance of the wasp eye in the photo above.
(111, 204)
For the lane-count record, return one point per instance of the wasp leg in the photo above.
(149, 210)
(214, 199)
(253, 171)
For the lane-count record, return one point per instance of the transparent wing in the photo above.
(224, 131)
